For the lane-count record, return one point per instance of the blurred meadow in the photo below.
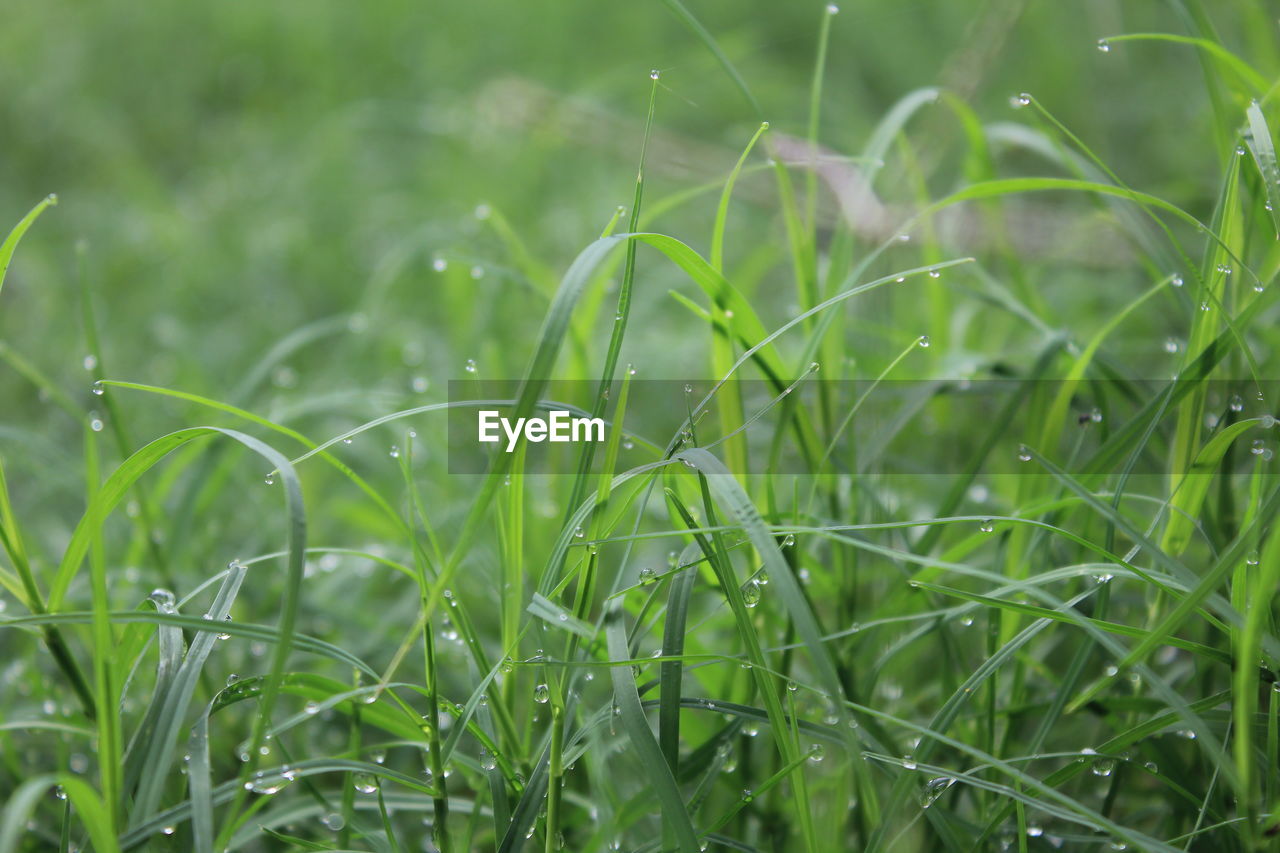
(1050, 625)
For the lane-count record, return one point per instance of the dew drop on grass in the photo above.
(98, 388)
(933, 789)
(647, 576)
(923, 341)
(751, 593)
(935, 273)
(439, 265)
(1020, 100)
(1034, 831)
(1237, 403)
(333, 821)
(270, 479)
(470, 366)
(1176, 280)
(487, 760)
(541, 694)
(833, 9)
(365, 783)
(266, 784)
(1104, 46)
(419, 385)
(1258, 448)
(168, 830)
(909, 762)
(655, 74)
(95, 422)
(394, 453)
(311, 708)
(817, 752)
(788, 540)
(1172, 346)
(987, 525)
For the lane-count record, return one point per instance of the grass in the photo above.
(832, 603)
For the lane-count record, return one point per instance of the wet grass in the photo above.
(258, 612)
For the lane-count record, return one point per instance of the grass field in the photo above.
(937, 508)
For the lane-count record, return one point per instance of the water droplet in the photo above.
(751, 593)
(1172, 345)
(483, 211)
(98, 388)
(1258, 448)
(95, 422)
(923, 341)
(541, 694)
(933, 789)
(909, 762)
(333, 821)
(788, 540)
(470, 366)
(1019, 100)
(1237, 403)
(654, 74)
(833, 9)
(365, 783)
(1103, 767)
(266, 784)
(817, 752)
(935, 273)
(748, 795)
(439, 264)
(987, 525)
(477, 272)
(270, 479)
(90, 362)
(647, 575)
(1104, 46)
(487, 760)
(168, 830)
(1176, 280)
(1024, 453)
(1034, 831)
